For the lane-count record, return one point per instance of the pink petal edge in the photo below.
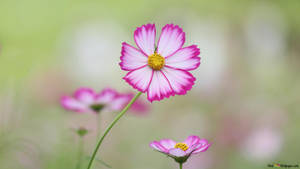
(135, 82)
(120, 101)
(186, 58)
(167, 143)
(157, 79)
(157, 146)
(201, 149)
(144, 38)
(85, 95)
(106, 95)
(180, 89)
(192, 140)
(130, 55)
(166, 44)
(71, 104)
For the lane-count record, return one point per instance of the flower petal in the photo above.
(203, 146)
(177, 152)
(159, 87)
(140, 78)
(131, 58)
(85, 95)
(157, 146)
(140, 107)
(119, 102)
(201, 149)
(185, 58)
(72, 104)
(191, 140)
(171, 39)
(106, 96)
(167, 143)
(180, 80)
(144, 38)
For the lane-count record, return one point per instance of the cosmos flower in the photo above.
(181, 151)
(87, 100)
(162, 70)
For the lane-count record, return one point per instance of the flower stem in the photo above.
(110, 126)
(180, 165)
(80, 152)
(98, 126)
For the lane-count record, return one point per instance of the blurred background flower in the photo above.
(245, 100)
(263, 143)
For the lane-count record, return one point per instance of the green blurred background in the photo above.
(245, 100)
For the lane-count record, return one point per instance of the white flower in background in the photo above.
(265, 34)
(262, 144)
(95, 52)
(211, 36)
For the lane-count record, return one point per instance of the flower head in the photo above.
(181, 151)
(160, 71)
(87, 100)
(82, 131)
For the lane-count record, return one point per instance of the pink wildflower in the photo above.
(87, 100)
(181, 151)
(161, 71)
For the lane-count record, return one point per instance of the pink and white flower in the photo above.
(160, 71)
(181, 151)
(87, 100)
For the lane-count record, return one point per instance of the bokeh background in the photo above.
(245, 100)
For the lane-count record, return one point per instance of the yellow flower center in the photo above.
(156, 61)
(182, 146)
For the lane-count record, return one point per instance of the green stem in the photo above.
(80, 152)
(110, 126)
(180, 165)
(98, 126)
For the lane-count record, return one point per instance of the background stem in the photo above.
(110, 126)
(80, 152)
(98, 126)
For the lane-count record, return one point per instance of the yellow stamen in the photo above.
(182, 146)
(156, 61)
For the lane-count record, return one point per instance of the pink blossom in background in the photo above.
(181, 151)
(140, 107)
(86, 100)
(263, 143)
(162, 70)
